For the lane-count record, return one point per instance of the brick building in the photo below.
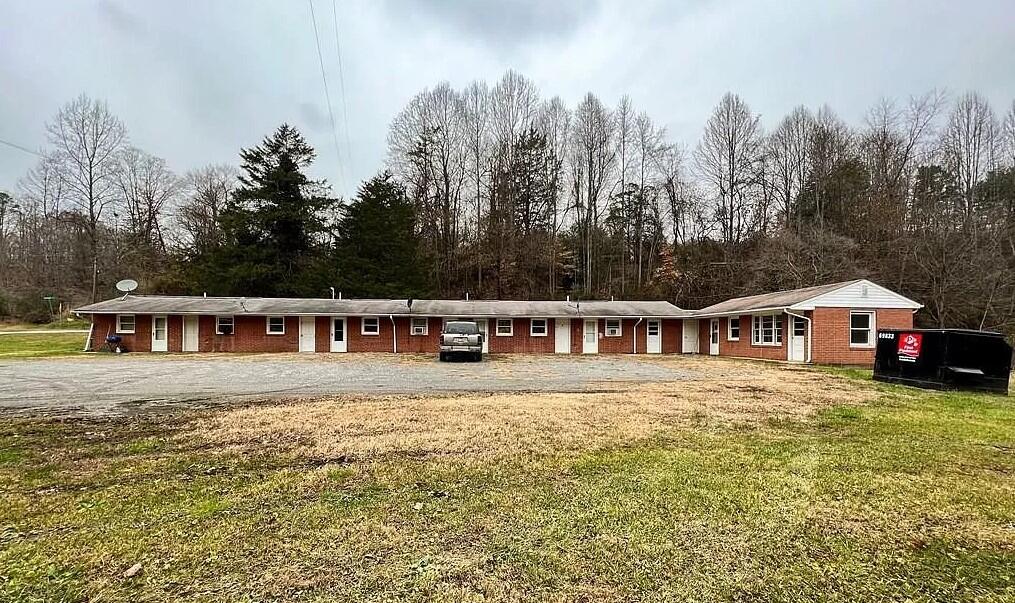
(829, 324)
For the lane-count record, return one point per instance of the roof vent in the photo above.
(864, 290)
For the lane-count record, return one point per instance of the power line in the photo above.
(327, 94)
(341, 82)
(20, 148)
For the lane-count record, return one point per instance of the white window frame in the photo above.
(532, 327)
(232, 323)
(758, 330)
(119, 324)
(619, 330)
(413, 327)
(267, 325)
(871, 329)
(510, 327)
(729, 328)
(363, 325)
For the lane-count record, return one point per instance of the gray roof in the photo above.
(167, 304)
(173, 304)
(768, 301)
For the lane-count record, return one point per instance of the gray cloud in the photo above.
(503, 24)
(196, 81)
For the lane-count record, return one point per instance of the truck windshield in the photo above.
(461, 328)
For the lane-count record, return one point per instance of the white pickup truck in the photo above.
(461, 338)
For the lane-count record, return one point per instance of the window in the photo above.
(613, 327)
(419, 326)
(224, 325)
(276, 325)
(537, 327)
(124, 323)
(733, 329)
(505, 327)
(767, 330)
(371, 325)
(861, 329)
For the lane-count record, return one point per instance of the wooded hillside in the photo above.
(501, 193)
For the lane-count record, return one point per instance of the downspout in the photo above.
(809, 338)
(394, 335)
(635, 345)
(91, 331)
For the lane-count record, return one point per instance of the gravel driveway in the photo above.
(113, 386)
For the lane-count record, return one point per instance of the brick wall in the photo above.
(521, 341)
(742, 348)
(250, 335)
(139, 341)
(673, 333)
(831, 334)
(368, 343)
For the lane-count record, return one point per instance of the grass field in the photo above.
(40, 344)
(803, 486)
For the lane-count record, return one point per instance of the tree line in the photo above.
(498, 192)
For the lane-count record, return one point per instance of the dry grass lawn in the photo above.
(752, 482)
(728, 393)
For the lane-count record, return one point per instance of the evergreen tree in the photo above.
(377, 251)
(274, 234)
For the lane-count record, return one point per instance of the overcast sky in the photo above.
(194, 81)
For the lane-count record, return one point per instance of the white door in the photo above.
(562, 335)
(590, 338)
(190, 334)
(654, 337)
(308, 335)
(338, 340)
(160, 334)
(713, 337)
(798, 339)
(689, 345)
(484, 328)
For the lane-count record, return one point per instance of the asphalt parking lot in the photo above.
(124, 385)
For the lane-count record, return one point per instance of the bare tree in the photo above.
(968, 144)
(789, 148)
(146, 187)
(593, 155)
(206, 190)
(86, 139)
(728, 158)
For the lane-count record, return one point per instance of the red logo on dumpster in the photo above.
(909, 345)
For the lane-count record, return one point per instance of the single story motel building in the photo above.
(828, 324)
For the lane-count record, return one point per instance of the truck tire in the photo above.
(443, 357)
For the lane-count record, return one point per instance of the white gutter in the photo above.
(394, 335)
(809, 338)
(634, 346)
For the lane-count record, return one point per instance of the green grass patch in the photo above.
(909, 498)
(40, 345)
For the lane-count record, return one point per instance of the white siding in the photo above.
(862, 294)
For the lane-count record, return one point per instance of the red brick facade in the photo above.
(250, 335)
(829, 330)
(831, 335)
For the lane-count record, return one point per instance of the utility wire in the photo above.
(20, 148)
(327, 94)
(341, 81)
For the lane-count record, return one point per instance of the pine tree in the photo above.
(274, 234)
(378, 248)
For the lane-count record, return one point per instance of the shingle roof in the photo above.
(171, 304)
(167, 304)
(774, 300)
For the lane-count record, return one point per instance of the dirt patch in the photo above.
(537, 422)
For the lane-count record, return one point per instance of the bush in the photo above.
(28, 306)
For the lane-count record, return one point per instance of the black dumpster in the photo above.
(944, 359)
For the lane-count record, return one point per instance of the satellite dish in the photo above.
(127, 285)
